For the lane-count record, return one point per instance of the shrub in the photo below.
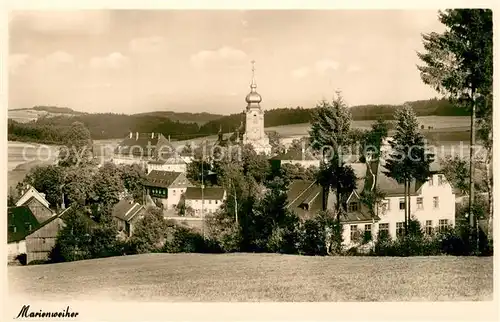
(186, 240)
(312, 238)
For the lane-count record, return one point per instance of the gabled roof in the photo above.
(391, 187)
(209, 193)
(24, 222)
(297, 155)
(161, 179)
(126, 210)
(145, 144)
(305, 198)
(30, 193)
(171, 160)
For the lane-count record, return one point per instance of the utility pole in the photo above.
(202, 195)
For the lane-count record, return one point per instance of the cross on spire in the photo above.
(253, 75)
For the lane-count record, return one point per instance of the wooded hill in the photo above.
(184, 126)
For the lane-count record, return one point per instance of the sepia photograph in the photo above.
(249, 156)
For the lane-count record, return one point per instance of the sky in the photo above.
(200, 61)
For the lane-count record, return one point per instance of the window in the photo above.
(420, 203)
(402, 204)
(354, 233)
(440, 180)
(353, 206)
(436, 202)
(443, 224)
(383, 231)
(431, 180)
(210, 202)
(368, 232)
(400, 229)
(216, 202)
(428, 227)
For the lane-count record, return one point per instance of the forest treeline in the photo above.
(114, 126)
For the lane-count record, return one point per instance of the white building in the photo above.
(173, 164)
(432, 203)
(139, 148)
(166, 187)
(254, 126)
(302, 157)
(212, 198)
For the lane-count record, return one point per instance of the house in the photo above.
(36, 202)
(141, 147)
(305, 198)
(302, 157)
(166, 187)
(432, 203)
(41, 241)
(210, 199)
(172, 164)
(20, 223)
(126, 214)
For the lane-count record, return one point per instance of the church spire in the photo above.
(253, 98)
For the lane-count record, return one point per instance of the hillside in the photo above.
(199, 118)
(254, 277)
(186, 126)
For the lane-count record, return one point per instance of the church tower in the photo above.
(254, 129)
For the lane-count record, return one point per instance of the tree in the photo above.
(275, 141)
(133, 178)
(107, 188)
(339, 176)
(150, 232)
(74, 240)
(77, 147)
(78, 184)
(408, 161)
(46, 179)
(330, 128)
(459, 64)
(181, 205)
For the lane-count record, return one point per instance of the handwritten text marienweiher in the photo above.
(24, 313)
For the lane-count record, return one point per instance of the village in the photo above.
(250, 156)
(34, 223)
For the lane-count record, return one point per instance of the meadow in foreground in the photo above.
(258, 277)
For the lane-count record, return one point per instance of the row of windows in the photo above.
(216, 202)
(384, 229)
(420, 203)
(197, 211)
(354, 206)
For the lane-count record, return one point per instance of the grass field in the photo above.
(257, 277)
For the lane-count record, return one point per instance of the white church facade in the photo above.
(254, 121)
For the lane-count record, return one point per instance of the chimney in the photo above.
(152, 135)
(169, 138)
(130, 135)
(42, 194)
(136, 136)
(15, 229)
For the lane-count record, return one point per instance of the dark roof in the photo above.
(357, 216)
(296, 154)
(21, 218)
(305, 198)
(63, 215)
(391, 187)
(161, 179)
(126, 210)
(144, 145)
(209, 193)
